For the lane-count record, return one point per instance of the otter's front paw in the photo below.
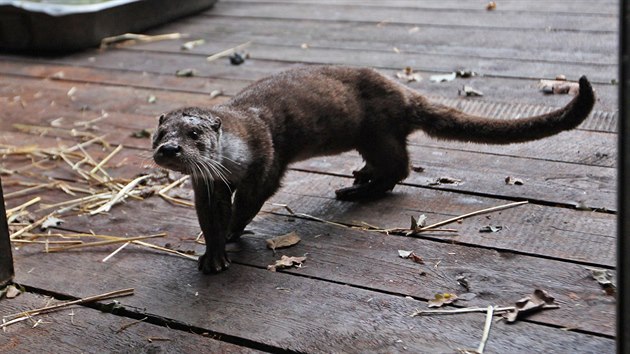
(213, 262)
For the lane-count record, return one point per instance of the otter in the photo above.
(237, 152)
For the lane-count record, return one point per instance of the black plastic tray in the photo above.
(65, 25)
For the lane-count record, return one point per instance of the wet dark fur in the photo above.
(244, 145)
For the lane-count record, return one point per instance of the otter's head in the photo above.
(187, 141)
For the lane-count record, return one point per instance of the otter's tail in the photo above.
(447, 123)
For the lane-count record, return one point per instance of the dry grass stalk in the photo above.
(474, 213)
(21, 316)
(129, 39)
(23, 206)
(120, 195)
(30, 227)
(228, 52)
(105, 242)
(99, 166)
(115, 252)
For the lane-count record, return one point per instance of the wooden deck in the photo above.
(353, 293)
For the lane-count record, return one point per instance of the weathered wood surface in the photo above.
(354, 294)
(68, 331)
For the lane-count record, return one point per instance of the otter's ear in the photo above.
(161, 119)
(215, 123)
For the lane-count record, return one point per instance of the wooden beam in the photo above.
(6, 259)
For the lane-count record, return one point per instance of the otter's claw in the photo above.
(215, 262)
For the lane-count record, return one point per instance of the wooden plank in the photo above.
(557, 7)
(550, 181)
(559, 233)
(370, 260)
(231, 79)
(289, 312)
(569, 147)
(6, 258)
(85, 330)
(467, 18)
(469, 42)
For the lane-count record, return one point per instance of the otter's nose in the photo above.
(169, 150)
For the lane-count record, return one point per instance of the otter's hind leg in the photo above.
(386, 163)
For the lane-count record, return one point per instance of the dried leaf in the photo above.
(442, 299)
(604, 278)
(527, 305)
(491, 228)
(188, 72)
(513, 181)
(418, 223)
(491, 6)
(404, 254)
(12, 292)
(51, 221)
(286, 262)
(414, 257)
(282, 241)
(408, 75)
(559, 87)
(443, 78)
(469, 91)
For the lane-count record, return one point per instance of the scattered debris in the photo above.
(132, 323)
(51, 221)
(468, 91)
(141, 134)
(418, 223)
(463, 281)
(228, 52)
(187, 72)
(151, 99)
(129, 39)
(604, 278)
(443, 78)
(445, 180)
(539, 300)
(215, 93)
(237, 58)
(25, 315)
(491, 229)
(283, 241)
(513, 181)
(410, 255)
(190, 45)
(559, 87)
(287, 262)
(418, 169)
(442, 299)
(304, 46)
(561, 77)
(409, 75)
(464, 74)
(11, 291)
(404, 254)
(491, 6)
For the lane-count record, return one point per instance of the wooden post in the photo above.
(623, 185)
(6, 259)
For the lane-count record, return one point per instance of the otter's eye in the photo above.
(193, 134)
